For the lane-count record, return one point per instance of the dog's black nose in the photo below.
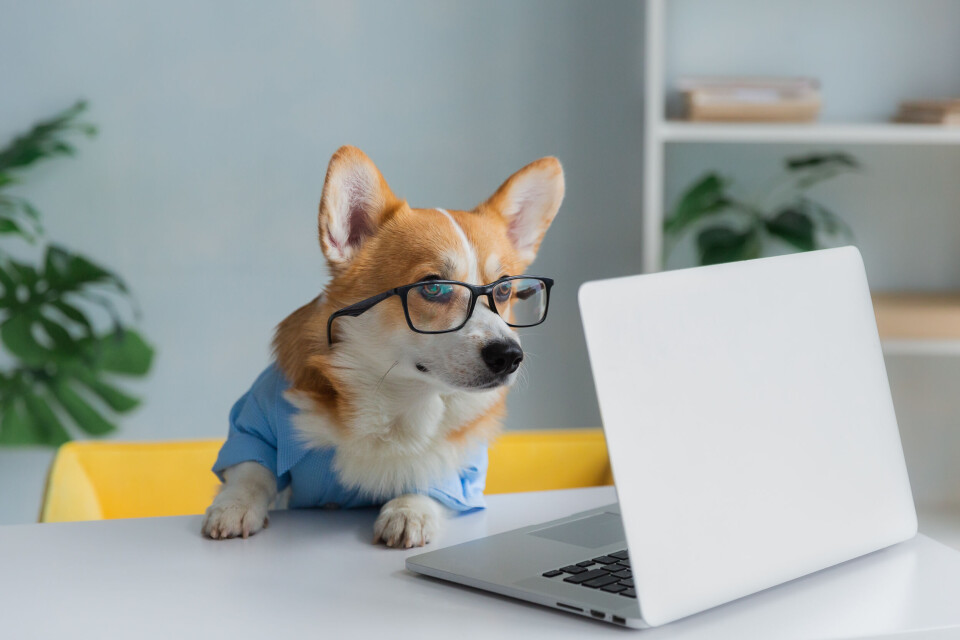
(502, 357)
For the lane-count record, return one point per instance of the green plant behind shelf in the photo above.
(60, 360)
(729, 228)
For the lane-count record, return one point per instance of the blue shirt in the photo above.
(261, 430)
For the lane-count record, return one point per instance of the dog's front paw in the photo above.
(408, 521)
(230, 518)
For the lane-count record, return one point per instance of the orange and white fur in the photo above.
(400, 407)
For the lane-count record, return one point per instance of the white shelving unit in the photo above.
(661, 132)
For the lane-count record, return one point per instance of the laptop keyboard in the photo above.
(610, 573)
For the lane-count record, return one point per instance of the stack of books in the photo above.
(929, 112)
(750, 99)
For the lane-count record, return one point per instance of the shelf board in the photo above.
(932, 348)
(918, 322)
(815, 132)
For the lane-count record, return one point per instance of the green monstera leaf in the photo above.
(60, 320)
(794, 227)
(703, 198)
(68, 370)
(723, 244)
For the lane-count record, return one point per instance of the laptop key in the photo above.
(610, 567)
(586, 563)
(586, 575)
(626, 573)
(630, 593)
(627, 583)
(613, 588)
(552, 574)
(572, 568)
(620, 555)
(606, 560)
(602, 581)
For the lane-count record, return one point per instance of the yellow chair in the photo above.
(101, 480)
(97, 480)
(544, 460)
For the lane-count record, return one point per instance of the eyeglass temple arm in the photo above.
(355, 310)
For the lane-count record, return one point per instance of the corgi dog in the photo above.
(387, 387)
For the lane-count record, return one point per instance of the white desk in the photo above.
(315, 574)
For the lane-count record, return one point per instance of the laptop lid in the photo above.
(749, 423)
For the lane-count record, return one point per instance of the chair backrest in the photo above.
(550, 459)
(97, 480)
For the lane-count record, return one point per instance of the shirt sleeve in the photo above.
(250, 439)
(464, 493)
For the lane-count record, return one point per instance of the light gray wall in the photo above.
(217, 120)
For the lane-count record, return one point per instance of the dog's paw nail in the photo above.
(231, 519)
(405, 523)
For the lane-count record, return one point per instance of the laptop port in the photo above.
(598, 614)
(569, 606)
(619, 620)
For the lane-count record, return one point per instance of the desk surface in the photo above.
(315, 572)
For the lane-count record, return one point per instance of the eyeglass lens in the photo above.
(438, 306)
(521, 302)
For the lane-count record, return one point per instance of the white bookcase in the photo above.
(937, 318)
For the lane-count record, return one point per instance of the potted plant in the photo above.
(64, 339)
(730, 228)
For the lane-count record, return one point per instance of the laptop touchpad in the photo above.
(596, 531)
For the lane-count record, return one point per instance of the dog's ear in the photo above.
(355, 197)
(529, 200)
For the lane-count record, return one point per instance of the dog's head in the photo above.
(374, 242)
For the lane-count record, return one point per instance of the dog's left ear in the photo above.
(528, 201)
(354, 201)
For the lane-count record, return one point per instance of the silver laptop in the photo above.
(752, 437)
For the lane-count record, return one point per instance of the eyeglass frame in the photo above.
(476, 291)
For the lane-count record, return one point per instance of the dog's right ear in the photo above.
(355, 197)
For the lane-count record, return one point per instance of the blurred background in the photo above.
(216, 120)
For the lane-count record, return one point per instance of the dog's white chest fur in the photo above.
(391, 447)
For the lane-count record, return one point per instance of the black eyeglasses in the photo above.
(442, 306)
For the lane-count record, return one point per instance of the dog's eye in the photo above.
(502, 292)
(436, 292)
